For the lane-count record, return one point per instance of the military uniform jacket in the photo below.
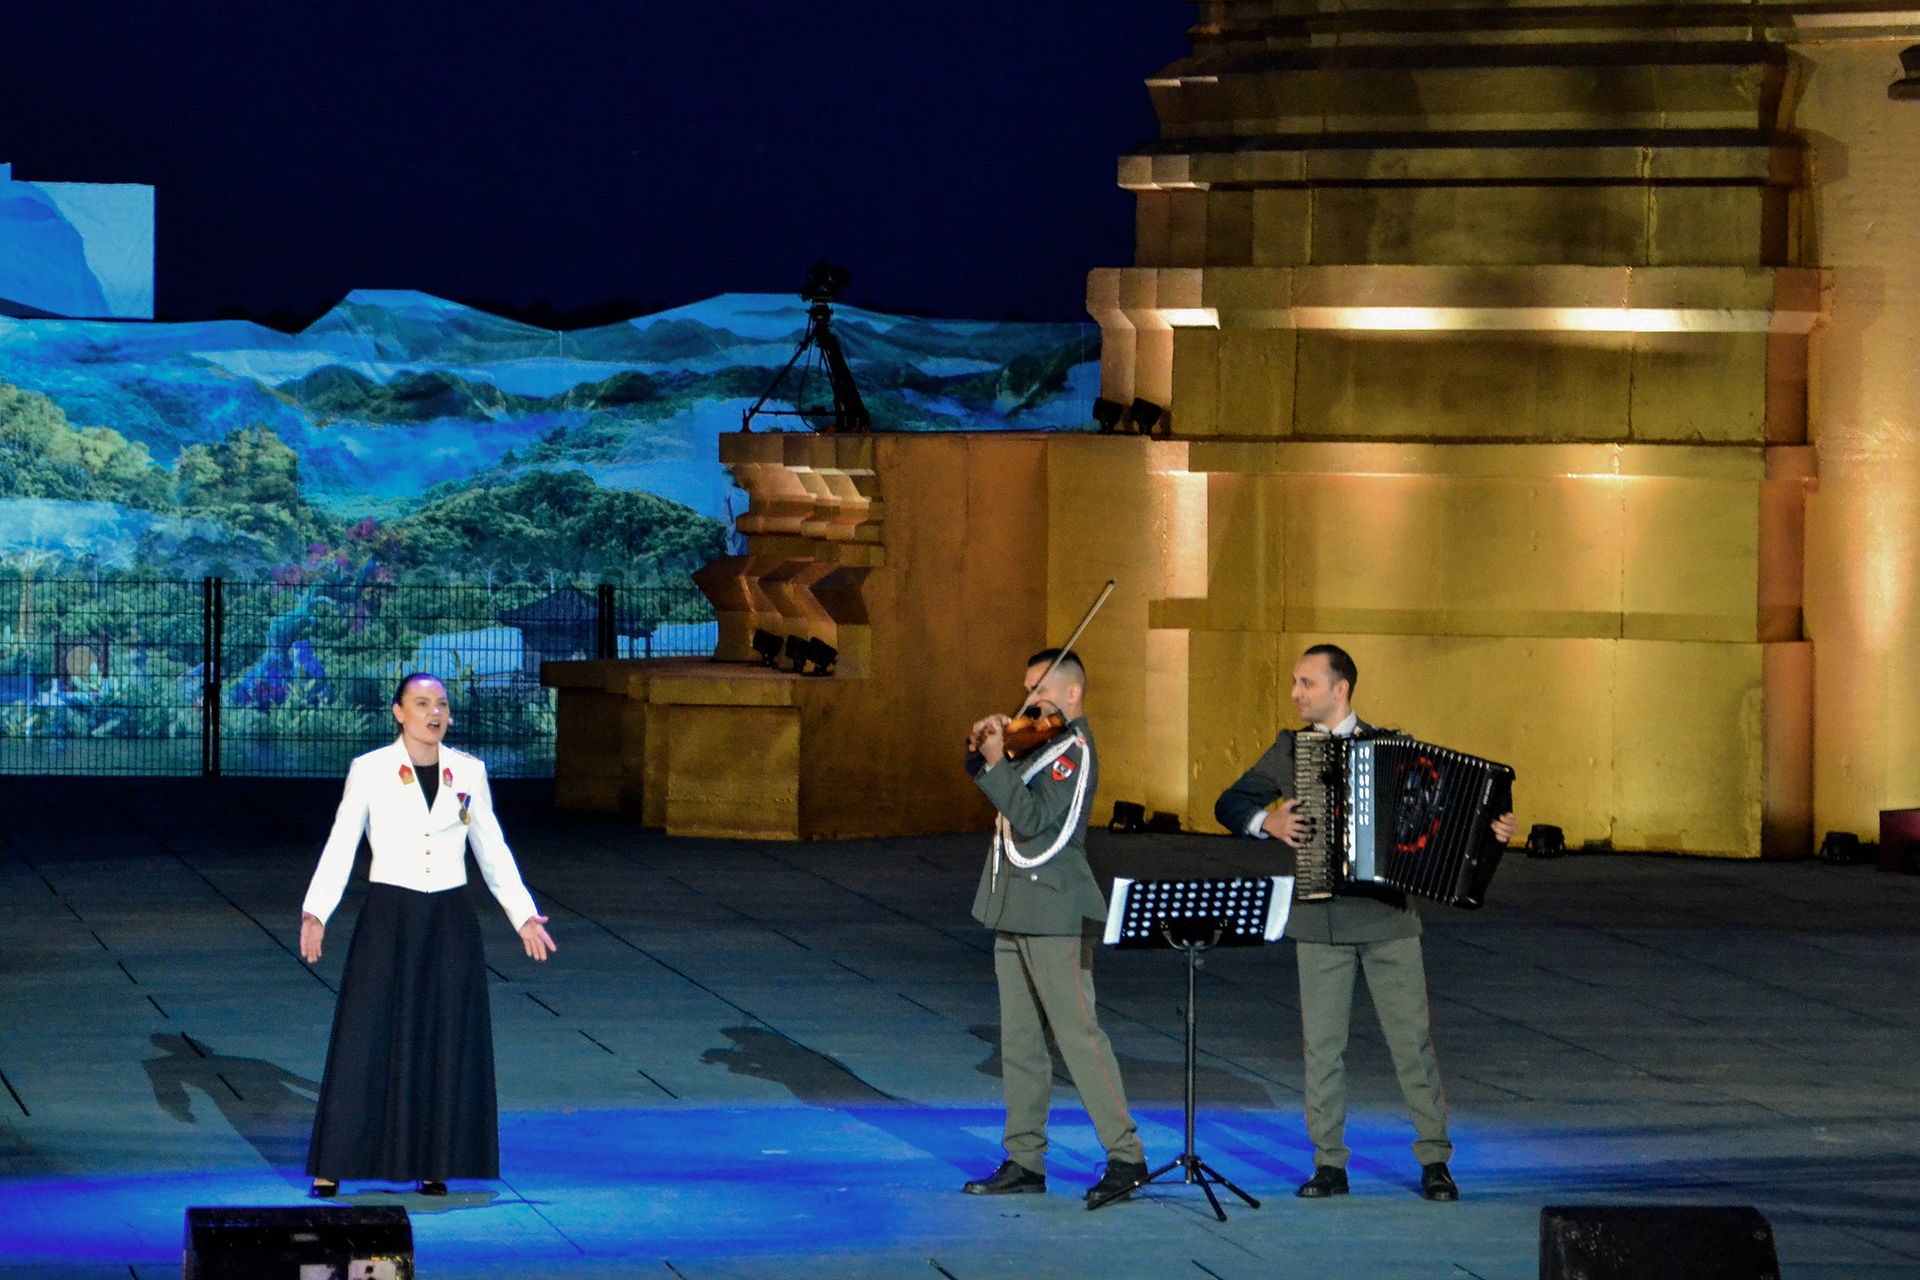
(1043, 801)
(416, 847)
(1363, 913)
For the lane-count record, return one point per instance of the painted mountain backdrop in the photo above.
(449, 445)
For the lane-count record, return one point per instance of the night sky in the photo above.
(570, 162)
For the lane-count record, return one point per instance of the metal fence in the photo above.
(120, 677)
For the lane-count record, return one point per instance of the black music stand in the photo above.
(1192, 916)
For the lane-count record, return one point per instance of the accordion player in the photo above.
(1389, 810)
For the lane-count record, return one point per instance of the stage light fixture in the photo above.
(1143, 414)
(1546, 841)
(1907, 87)
(796, 651)
(767, 645)
(820, 656)
(1845, 849)
(1108, 414)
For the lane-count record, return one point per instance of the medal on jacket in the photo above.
(465, 815)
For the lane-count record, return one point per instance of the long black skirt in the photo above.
(408, 1092)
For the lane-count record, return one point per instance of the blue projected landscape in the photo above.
(233, 448)
(219, 520)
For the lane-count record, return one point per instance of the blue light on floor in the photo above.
(686, 1181)
(707, 1185)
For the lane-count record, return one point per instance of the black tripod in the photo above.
(1192, 917)
(849, 411)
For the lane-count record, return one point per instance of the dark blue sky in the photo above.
(568, 159)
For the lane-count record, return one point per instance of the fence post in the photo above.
(606, 628)
(212, 629)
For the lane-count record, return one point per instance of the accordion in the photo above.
(1388, 810)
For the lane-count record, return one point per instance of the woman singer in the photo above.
(408, 1092)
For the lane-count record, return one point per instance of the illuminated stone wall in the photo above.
(1485, 336)
(921, 557)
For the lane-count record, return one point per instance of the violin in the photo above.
(1031, 731)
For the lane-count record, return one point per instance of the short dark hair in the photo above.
(413, 677)
(1069, 663)
(1342, 663)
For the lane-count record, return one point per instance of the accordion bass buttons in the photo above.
(1317, 764)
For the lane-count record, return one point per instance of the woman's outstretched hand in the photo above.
(311, 932)
(535, 938)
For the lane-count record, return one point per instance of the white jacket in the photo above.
(413, 846)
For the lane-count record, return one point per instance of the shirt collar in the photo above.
(1346, 728)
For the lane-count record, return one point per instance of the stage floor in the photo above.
(777, 1060)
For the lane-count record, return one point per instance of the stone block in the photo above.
(734, 771)
(1687, 758)
(1255, 397)
(1196, 376)
(1282, 223)
(1434, 555)
(1246, 548)
(1454, 225)
(1542, 387)
(1701, 387)
(1689, 551)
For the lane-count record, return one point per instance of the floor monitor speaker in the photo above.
(1637, 1242)
(342, 1242)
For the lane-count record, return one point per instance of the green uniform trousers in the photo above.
(1047, 982)
(1397, 981)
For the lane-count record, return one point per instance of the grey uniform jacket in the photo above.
(1364, 914)
(1059, 895)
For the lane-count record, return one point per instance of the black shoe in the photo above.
(1327, 1180)
(1436, 1183)
(323, 1190)
(429, 1187)
(1010, 1179)
(1121, 1177)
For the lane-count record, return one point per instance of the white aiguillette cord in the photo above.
(1002, 829)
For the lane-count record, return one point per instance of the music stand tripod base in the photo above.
(1192, 916)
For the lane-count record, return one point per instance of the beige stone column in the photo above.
(1863, 523)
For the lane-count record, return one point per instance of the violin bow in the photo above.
(1067, 648)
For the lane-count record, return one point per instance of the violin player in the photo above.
(1039, 897)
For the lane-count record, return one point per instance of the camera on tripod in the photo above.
(824, 282)
(819, 352)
